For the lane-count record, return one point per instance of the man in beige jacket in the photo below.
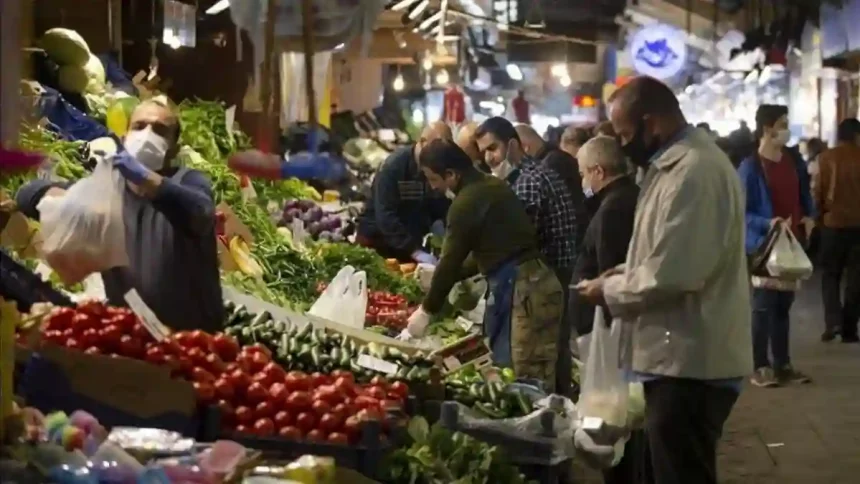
(683, 291)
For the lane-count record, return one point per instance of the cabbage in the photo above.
(66, 47)
(89, 78)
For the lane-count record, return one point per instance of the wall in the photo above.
(358, 83)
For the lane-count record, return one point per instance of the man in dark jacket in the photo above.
(604, 172)
(403, 208)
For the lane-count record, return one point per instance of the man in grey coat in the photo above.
(683, 293)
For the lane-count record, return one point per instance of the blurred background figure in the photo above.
(573, 138)
(520, 107)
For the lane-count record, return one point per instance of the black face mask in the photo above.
(638, 150)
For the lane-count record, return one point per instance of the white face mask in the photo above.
(450, 194)
(782, 137)
(503, 169)
(148, 148)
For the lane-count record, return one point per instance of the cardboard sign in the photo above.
(377, 364)
(150, 321)
(471, 350)
(232, 227)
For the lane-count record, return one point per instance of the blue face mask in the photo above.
(588, 192)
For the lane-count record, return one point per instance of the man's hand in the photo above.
(131, 169)
(592, 290)
(777, 220)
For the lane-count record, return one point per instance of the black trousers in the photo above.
(683, 422)
(840, 256)
(564, 364)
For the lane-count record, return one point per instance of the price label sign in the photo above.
(376, 364)
(471, 350)
(464, 323)
(150, 321)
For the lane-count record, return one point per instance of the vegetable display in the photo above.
(490, 398)
(319, 225)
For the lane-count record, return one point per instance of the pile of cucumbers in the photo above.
(305, 348)
(490, 398)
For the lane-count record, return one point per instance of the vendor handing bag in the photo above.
(344, 300)
(83, 230)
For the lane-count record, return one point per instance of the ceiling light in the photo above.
(418, 9)
(218, 7)
(565, 81)
(398, 83)
(430, 20)
(514, 72)
(402, 5)
(559, 70)
(427, 63)
(442, 77)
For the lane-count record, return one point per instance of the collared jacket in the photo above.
(684, 288)
(403, 206)
(759, 209)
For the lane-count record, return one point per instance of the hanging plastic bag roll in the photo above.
(83, 230)
(788, 259)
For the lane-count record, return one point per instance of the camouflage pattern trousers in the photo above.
(536, 317)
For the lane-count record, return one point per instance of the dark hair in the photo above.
(645, 95)
(499, 127)
(577, 136)
(848, 130)
(705, 126)
(605, 128)
(767, 115)
(441, 155)
(814, 147)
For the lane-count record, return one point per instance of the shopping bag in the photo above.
(344, 300)
(605, 391)
(83, 230)
(355, 301)
(788, 259)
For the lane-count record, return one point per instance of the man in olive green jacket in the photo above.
(489, 232)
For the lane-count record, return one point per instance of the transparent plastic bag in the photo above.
(344, 300)
(605, 391)
(83, 230)
(788, 259)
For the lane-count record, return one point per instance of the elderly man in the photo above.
(573, 138)
(466, 142)
(169, 218)
(402, 208)
(684, 287)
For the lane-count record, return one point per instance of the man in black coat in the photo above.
(604, 171)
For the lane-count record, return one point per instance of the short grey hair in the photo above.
(606, 152)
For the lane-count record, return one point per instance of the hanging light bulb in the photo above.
(427, 63)
(442, 77)
(398, 83)
(565, 81)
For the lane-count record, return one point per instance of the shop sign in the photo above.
(658, 50)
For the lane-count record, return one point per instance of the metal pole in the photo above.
(10, 74)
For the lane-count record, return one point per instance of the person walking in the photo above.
(836, 198)
(683, 291)
(777, 191)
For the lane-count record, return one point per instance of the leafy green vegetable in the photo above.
(66, 156)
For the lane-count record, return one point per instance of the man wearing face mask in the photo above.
(778, 191)
(541, 190)
(490, 233)
(169, 218)
(682, 295)
(403, 208)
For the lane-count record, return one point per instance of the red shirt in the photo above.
(455, 106)
(521, 110)
(784, 188)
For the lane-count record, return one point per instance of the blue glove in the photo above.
(424, 258)
(307, 166)
(131, 169)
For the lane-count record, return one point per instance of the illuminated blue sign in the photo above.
(658, 50)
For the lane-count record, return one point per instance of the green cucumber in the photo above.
(305, 332)
(261, 318)
(524, 404)
(488, 410)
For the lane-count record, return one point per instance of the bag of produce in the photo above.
(604, 389)
(344, 300)
(65, 47)
(83, 230)
(788, 259)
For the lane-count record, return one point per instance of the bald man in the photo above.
(402, 208)
(466, 141)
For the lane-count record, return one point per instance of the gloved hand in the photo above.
(422, 257)
(416, 325)
(131, 169)
(597, 455)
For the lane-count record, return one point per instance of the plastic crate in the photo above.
(365, 458)
(19, 284)
(532, 454)
(44, 386)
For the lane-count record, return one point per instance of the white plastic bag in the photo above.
(787, 259)
(344, 300)
(83, 230)
(605, 391)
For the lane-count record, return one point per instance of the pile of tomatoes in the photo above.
(254, 394)
(384, 309)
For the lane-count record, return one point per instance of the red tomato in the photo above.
(320, 407)
(298, 402)
(343, 373)
(345, 385)
(264, 427)
(305, 421)
(392, 405)
(53, 336)
(315, 435)
(317, 379)
(155, 355)
(225, 347)
(214, 364)
(376, 392)
(330, 394)
(92, 308)
(228, 413)
(366, 402)
(279, 393)
(373, 413)
(342, 410)
(258, 348)
(264, 409)
(223, 389)
(231, 367)
(330, 422)
(82, 321)
(379, 381)
(399, 388)
(274, 371)
(205, 392)
(240, 380)
(110, 335)
(89, 337)
(242, 429)
(59, 319)
(129, 346)
(244, 415)
(352, 428)
(244, 361)
(258, 361)
(201, 375)
(263, 379)
(93, 350)
(283, 419)
(197, 357)
(297, 381)
(140, 332)
(256, 393)
(184, 365)
(290, 433)
(125, 320)
(201, 340)
(338, 438)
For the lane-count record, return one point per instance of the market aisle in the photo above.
(800, 434)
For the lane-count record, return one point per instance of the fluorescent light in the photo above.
(514, 72)
(430, 20)
(419, 9)
(218, 7)
(402, 5)
(442, 77)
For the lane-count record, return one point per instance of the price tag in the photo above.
(592, 423)
(150, 321)
(377, 364)
(44, 271)
(451, 363)
(464, 323)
